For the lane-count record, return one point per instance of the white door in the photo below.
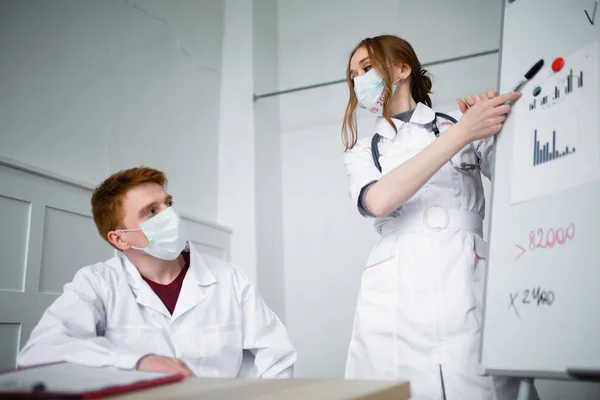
(46, 235)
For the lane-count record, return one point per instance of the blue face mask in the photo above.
(369, 89)
(165, 233)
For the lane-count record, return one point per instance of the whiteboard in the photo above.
(542, 301)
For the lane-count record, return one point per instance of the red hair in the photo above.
(107, 209)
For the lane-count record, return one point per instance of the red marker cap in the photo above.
(558, 64)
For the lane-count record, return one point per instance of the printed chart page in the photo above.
(555, 142)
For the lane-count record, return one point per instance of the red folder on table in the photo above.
(71, 381)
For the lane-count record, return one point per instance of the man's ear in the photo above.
(117, 240)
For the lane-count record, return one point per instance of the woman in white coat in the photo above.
(419, 309)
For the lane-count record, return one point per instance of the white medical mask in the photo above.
(369, 89)
(165, 233)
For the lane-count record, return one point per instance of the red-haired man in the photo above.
(159, 305)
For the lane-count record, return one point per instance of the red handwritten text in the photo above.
(547, 239)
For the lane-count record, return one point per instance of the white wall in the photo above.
(270, 271)
(316, 37)
(91, 87)
(326, 246)
(237, 183)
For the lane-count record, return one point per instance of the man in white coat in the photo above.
(159, 305)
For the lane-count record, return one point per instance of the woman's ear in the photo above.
(405, 70)
(401, 72)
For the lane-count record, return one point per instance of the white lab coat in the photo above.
(419, 310)
(108, 315)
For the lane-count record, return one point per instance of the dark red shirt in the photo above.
(169, 293)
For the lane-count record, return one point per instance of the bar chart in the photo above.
(544, 153)
(552, 95)
(555, 130)
(569, 87)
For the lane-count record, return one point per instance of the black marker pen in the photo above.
(530, 74)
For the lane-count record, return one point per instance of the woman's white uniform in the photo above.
(419, 310)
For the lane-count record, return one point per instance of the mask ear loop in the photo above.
(400, 79)
(131, 230)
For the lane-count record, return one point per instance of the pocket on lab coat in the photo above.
(380, 274)
(375, 306)
(221, 341)
(480, 260)
(217, 349)
(481, 254)
(465, 155)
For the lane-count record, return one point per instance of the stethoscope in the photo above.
(463, 167)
